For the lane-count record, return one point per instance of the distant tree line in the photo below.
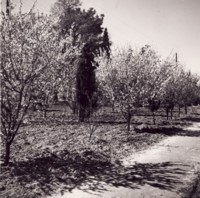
(140, 78)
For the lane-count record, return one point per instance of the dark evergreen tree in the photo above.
(87, 33)
(85, 82)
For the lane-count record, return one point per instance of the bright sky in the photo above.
(169, 26)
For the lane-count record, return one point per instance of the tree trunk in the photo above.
(128, 119)
(45, 106)
(8, 8)
(74, 108)
(186, 109)
(167, 111)
(113, 107)
(45, 113)
(179, 110)
(55, 97)
(154, 119)
(171, 113)
(81, 115)
(7, 156)
(128, 123)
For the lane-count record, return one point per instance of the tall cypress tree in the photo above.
(85, 82)
(85, 79)
(86, 30)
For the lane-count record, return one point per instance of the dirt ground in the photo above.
(57, 154)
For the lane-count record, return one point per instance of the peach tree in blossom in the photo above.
(30, 61)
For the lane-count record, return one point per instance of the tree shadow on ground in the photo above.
(170, 130)
(89, 171)
(191, 118)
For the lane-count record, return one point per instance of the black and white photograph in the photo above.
(100, 99)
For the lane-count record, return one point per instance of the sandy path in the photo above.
(164, 170)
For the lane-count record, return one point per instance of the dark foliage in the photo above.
(85, 82)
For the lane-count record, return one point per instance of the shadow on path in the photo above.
(192, 118)
(192, 130)
(45, 175)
